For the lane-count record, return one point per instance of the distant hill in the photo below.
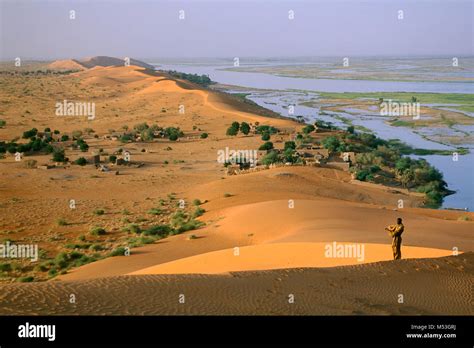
(66, 64)
(91, 62)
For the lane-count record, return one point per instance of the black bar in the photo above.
(391, 330)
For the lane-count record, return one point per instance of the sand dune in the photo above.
(97, 61)
(270, 223)
(66, 64)
(427, 286)
(286, 255)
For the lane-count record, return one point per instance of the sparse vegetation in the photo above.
(81, 161)
(97, 231)
(202, 80)
(233, 130)
(62, 222)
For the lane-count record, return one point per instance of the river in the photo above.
(293, 91)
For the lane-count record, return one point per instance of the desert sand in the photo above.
(437, 286)
(281, 248)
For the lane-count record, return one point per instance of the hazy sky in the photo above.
(227, 28)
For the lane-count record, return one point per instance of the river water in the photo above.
(287, 91)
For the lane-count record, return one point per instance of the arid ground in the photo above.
(251, 252)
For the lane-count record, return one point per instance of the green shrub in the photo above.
(96, 247)
(173, 133)
(120, 251)
(5, 267)
(99, 212)
(59, 155)
(269, 158)
(245, 128)
(140, 127)
(154, 211)
(62, 222)
(25, 279)
(308, 129)
(81, 161)
(158, 230)
(233, 129)
(266, 146)
(30, 133)
(266, 129)
(364, 175)
(134, 228)
(97, 231)
(189, 226)
(204, 135)
(198, 212)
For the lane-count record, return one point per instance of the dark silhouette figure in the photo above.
(395, 232)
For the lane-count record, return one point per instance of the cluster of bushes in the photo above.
(81, 144)
(235, 127)
(266, 131)
(148, 133)
(180, 222)
(324, 125)
(202, 80)
(37, 143)
(40, 72)
(375, 153)
(173, 133)
(288, 155)
(64, 261)
(41, 142)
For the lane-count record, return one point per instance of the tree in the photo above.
(270, 158)
(82, 145)
(308, 129)
(59, 155)
(289, 155)
(29, 134)
(266, 136)
(266, 146)
(331, 143)
(290, 145)
(81, 161)
(245, 128)
(140, 127)
(406, 177)
(147, 134)
(173, 133)
(233, 129)
(403, 164)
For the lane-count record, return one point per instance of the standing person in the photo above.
(395, 232)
